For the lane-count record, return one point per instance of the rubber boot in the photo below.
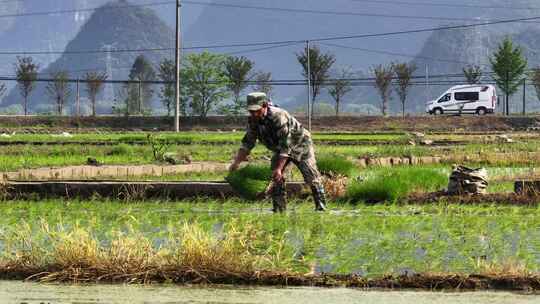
(279, 199)
(319, 198)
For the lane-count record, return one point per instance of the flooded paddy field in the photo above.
(439, 245)
(32, 293)
(370, 241)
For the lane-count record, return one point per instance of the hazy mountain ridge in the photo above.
(126, 29)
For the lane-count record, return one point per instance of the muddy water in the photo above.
(32, 293)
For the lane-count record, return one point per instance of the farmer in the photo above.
(281, 133)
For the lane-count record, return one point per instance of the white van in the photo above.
(472, 99)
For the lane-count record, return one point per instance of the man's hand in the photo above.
(239, 158)
(234, 166)
(277, 175)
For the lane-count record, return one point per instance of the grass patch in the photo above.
(189, 254)
(250, 180)
(394, 183)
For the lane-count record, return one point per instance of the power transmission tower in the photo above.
(81, 17)
(177, 69)
(109, 90)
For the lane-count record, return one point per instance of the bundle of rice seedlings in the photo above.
(250, 181)
(335, 166)
(395, 183)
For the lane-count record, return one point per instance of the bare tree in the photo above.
(263, 83)
(26, 74)
(341, 86)
(141, 94)
(319, 68)
(94, 83)
(403, 73)
(3, 90)
(383, 83)
(238, 69)
(535, 77)
(472, 73)
(58, 89)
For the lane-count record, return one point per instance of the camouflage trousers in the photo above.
(308, 167)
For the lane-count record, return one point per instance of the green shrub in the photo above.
(396, 183)
(249, 181)
(335, 165)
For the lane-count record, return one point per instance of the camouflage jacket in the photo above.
(280, 132)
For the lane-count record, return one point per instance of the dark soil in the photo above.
(425, 281)
(494, 198)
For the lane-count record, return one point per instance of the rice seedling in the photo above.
(250, 181)
(121, 149)
(335, 166)
(394, 183)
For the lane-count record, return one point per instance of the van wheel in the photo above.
(438, 111)
(481, 111)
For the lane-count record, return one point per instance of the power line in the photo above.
(260, 49)
(232, 45)
(105, 7)
(288, 81)
(396, 54)
(447, 5)
(129, 67)
(278, 9)
(319, 12)
(441, 28)
(86, 51)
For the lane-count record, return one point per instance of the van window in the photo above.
(445, 98)
(472, 96)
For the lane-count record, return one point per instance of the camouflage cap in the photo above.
(255, 101)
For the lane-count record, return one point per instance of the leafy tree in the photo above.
(341, 86)
(206, 81)
(59, 89)
(94, 83)
(165, 73)
(26, 74)
(237, 70)
(141, 71)
(404, 74)
(383, 83)
(472, 73)
(508, 64)
(319, 64)
(263, 83)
